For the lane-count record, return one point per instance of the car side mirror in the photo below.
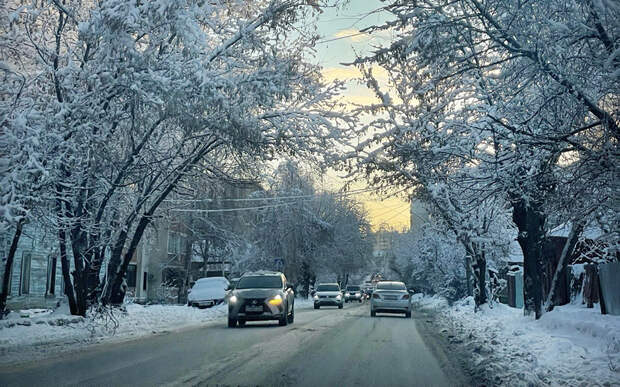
(313, 292)
(229, 287)
(290, 286)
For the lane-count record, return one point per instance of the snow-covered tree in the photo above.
(135, 97)
(495, 97)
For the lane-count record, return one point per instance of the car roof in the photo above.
(391, 282)
(209, 279)
(260, 273)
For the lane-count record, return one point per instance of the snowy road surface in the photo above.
(323, 347)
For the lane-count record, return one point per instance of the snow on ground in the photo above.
(572, 345)
(34, 333)
(27, 333)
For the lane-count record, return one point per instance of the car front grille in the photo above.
(251, 302)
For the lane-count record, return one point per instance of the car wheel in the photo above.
(284, 319)
(340, 306)
(291, 317)
(360, 300)
(408, 314)
(241, 323)
(373, 313)
(317, 306)
(232, 322)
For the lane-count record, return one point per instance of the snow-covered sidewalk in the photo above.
(30, 334)
(571, 345)
(34, 333)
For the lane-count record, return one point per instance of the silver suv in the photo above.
(328, 294)
(260, 296)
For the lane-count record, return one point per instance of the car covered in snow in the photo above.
(261, 296)
(352, 293)
(390, 297)
(328, 294)
(207, 292)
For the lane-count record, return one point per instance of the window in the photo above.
(24, 282)
(144, 278)
(328, 288)
(174, 243)
(51, 274)
(131, 275)
(261, 282)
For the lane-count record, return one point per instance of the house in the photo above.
(36, 275)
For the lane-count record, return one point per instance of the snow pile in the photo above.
(572, 345)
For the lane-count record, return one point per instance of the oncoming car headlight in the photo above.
(277, 300)
(316, 297)
(232, 299)
(338, 297)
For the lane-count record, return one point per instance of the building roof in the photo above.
(590, 232)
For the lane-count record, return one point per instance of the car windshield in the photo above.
(215, 283)
(391, 286)
(327, 288)
(353, 288)
(262, 282)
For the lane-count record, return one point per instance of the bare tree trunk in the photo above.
(530, 221)
(64, 261)
(480, 269)
(468, 275)
(8, 267)
(569, 246)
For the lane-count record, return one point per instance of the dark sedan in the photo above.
(261, 296)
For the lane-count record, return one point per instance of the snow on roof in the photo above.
(590, 232)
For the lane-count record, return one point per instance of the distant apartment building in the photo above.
(419, 216)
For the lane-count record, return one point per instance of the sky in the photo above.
(341, 40)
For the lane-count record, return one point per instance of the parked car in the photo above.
(352, 293)
(390, 297)
(207, 292)
(261, 296)
(328, 294)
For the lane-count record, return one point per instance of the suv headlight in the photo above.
(275, 301)
(338, 297)
(232, 299)
(316, 297)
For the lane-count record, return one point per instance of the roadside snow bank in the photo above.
(571, 345)
(37, 333)
(23, 338)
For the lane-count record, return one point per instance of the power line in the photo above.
(230, 209)
(354, 192)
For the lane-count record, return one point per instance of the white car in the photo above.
(207, 292)
(328, 294)
(390, 297)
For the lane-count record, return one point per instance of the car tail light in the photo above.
(406, 297)
(376, 295)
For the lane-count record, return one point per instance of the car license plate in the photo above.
(254, 308)
(390, 297)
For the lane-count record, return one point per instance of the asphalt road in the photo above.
(326, 347)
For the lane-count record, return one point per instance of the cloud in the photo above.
(348, 73)
(352, 34)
